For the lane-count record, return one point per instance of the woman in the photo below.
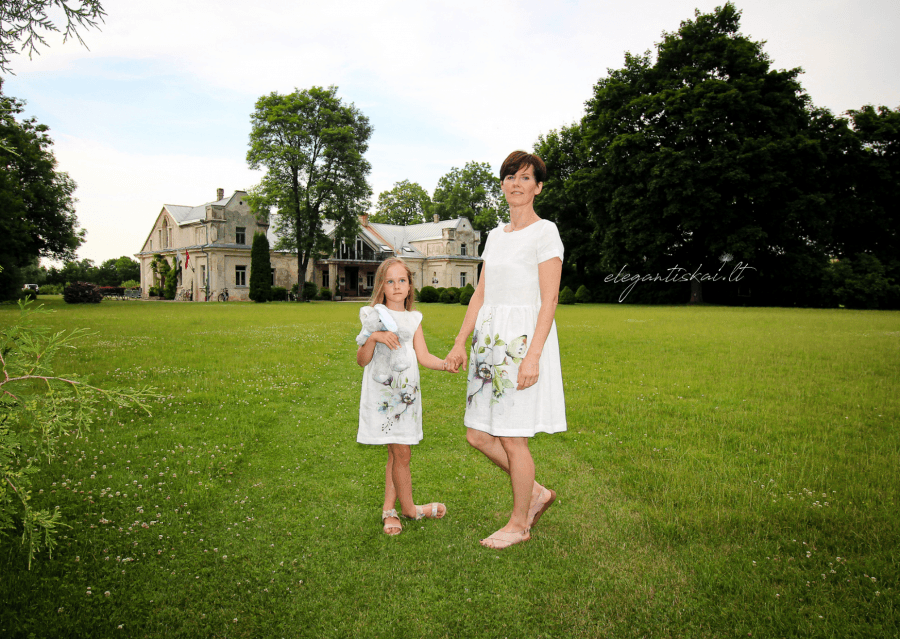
(515, 384)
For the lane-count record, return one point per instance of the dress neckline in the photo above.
(524, 228)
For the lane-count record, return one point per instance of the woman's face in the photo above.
(521, 188)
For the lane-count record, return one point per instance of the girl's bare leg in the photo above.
(402, 478)
(390, 494)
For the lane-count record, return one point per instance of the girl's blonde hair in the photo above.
(381, 274)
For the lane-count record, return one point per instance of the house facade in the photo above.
(213, 243)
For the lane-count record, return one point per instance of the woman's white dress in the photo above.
(391, 412)
(503, 331)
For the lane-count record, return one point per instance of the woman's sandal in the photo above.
(421, 513)
(391, 513)
(538, 508)
(500, 540)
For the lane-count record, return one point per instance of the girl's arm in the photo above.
(549, 272)
(366, 351)
(425, 358)
(457, 356)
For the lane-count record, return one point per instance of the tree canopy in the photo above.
(27, 22)
(407, 203)
(701, 156)
(472, 192)
(37, 203)
(311, 145)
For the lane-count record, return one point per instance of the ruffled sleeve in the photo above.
(549, 245)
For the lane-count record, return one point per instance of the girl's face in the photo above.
(396, 287)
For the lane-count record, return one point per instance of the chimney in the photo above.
(220, 194)
(437, 218)
(364, 219)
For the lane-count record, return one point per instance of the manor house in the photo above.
(213, 242)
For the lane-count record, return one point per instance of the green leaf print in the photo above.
(487, 340)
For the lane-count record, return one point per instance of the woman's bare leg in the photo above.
(521, 474)
(492, 448)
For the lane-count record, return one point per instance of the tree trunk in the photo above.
(696, 292)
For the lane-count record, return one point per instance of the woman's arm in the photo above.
(366, 351)
(425, 358)
(549, 273)
(457, 355)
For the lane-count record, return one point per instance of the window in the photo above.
(170, 239)
(462, 249)
(359, 249)
(240, 235)
(325, 279)
(203, 276)
(240, 276)
(273, 277)
(462, 280)
(370, 280)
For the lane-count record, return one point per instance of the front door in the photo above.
(351, 275)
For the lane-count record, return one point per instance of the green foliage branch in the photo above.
(38, 407)
(25, 20)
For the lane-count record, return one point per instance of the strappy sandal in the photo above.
(538, 508)
(500, 540)
(422, 513)
(391, 513)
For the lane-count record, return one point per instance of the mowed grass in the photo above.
(726, 473)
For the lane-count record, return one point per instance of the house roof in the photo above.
(187, 214)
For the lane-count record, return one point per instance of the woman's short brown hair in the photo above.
(519, 160)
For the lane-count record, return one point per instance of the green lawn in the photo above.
(726, 473)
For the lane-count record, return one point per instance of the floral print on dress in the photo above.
(495, 366)
(396, 400)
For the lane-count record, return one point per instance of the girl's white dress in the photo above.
(503, 331)
(391, 412)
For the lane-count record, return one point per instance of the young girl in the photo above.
(390, 411)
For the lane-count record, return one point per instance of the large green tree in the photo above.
(562, 202)
(26, 22)
(311, 145)
(472, 192)
(37, 203)
(260, 269)
(707, 153)
(407, 203)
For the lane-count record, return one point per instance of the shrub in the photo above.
(583, 295)
(325, 293)
(465, 296)
(51, 289)
(28, 294)
(260, 270)
(279, 294)
(130, 284)
(153, 292)
(429, 294)
(82, 293)
(450, 296)
(566, 296)
(310, 290)
(111, 291)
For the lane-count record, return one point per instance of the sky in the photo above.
(157, 110)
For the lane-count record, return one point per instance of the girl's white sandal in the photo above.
(391, 513)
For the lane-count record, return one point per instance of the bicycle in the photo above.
(223, 296)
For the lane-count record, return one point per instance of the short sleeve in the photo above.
(417, 317)
(549, 245)
(487, 247)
